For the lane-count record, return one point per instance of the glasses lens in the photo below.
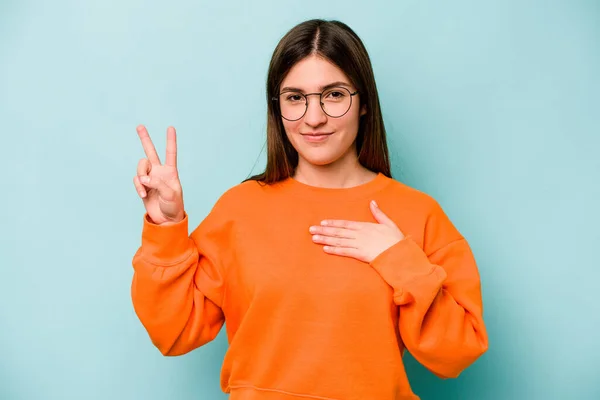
(293, 105)
(336, 101)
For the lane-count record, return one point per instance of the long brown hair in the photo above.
(336, 42)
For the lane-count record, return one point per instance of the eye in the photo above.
(334, 95)
(294, 97)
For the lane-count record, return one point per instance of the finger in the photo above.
(144, 167)
(331, 241)
(171, 147)
(344, 251)
(334, 232)
(139, 187)
(339, 223)
(380, 215)
(148, 145)
(165, 191)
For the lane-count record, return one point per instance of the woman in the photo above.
(325, 268)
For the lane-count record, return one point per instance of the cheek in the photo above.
(291, 127)
(347, 124)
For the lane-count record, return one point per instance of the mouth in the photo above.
(316, 136)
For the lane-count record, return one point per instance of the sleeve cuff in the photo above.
(165, 244)
(406, 268)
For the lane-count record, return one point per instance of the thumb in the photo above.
(380, 216)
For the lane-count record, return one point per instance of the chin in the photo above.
(319, 159)
(319, 162)
(322, 155)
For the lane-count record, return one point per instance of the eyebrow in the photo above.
(321, 88)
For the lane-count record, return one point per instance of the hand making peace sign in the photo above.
(158, 184)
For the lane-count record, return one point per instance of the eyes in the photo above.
(330, 95)
(334, 101)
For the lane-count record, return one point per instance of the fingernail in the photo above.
(145, 179)
(142, 193)
(374, 203)
(312, 229)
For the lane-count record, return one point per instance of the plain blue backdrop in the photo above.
(491, 107)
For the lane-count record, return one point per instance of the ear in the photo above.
(363, 110)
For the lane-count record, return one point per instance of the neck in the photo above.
(343, 174)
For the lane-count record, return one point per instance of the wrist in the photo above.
(175, 220)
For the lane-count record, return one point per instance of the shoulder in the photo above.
(230, 205)
(422, 214)
(416, 200)
(236, 198)
(243, 191)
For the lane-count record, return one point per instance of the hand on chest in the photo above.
(285, 263)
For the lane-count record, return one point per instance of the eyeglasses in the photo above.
(335, 102)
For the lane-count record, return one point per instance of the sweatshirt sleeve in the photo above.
(438, 293)
(178, 282)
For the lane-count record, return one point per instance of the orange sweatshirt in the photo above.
(302, 323)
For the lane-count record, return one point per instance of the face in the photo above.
(335, 142)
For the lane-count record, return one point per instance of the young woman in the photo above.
(324, 267)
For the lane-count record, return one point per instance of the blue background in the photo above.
(491, 107)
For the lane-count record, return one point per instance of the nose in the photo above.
(314, 114)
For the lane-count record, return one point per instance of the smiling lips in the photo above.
(316, 136)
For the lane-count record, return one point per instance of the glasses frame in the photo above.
(305, 95)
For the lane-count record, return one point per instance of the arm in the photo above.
(439, 297)
(178, 284)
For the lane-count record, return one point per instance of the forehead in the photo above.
(313, 73)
